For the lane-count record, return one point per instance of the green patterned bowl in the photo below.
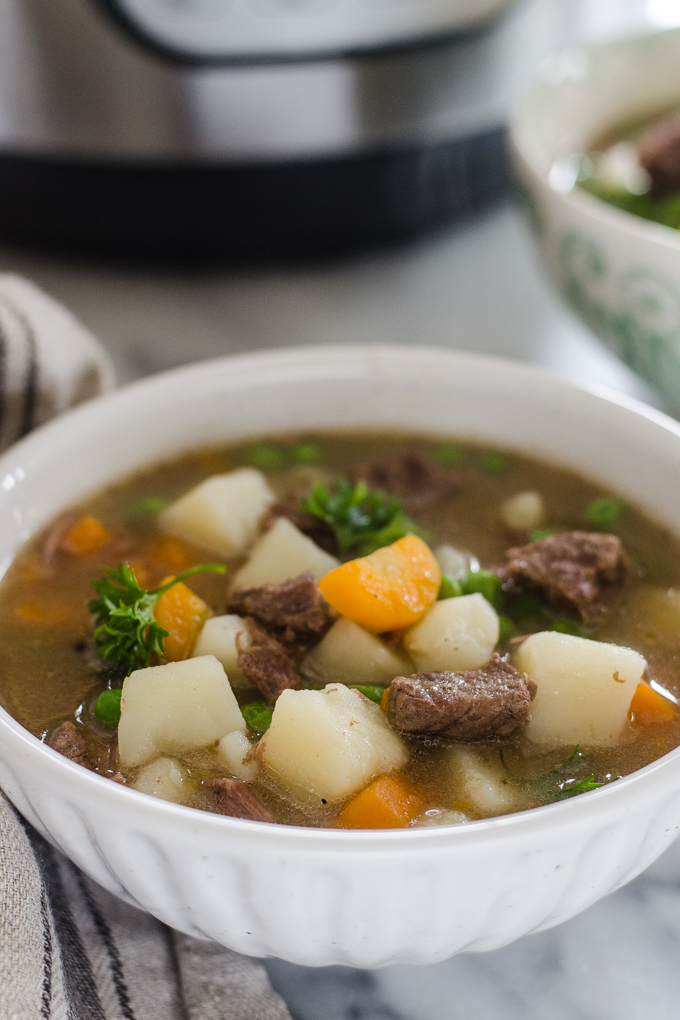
(620, 273)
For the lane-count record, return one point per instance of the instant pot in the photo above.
(239, 129)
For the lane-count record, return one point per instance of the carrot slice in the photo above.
(390, 802)
(42, 614)
(85, 536)
(170, 554)
(647, 708)
(182, 614)
(390, 589)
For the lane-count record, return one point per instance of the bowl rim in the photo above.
(399, 840)
(520, 130)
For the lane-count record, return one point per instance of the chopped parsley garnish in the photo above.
(363, 520)
(370, 691)
(555, 785)
(603, 512)
(126, 633)
(306, 453)
(448, 455)
(147, 507)
(264, 456)
(257, 715)
(538, 534)
(493, 463)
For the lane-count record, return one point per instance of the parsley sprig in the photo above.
(126, 633)
(554, 785)
(363, 520)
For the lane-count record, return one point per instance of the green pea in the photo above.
(448, 455)
(264, 456)
(257, 715)
(449, 588)
(487, 584)
(493, 463)
(107, 708)
(306, 453)
(540, 533)
(369, 691)
(567, 627)
(150, 505)
(603, 512)
(506, 628)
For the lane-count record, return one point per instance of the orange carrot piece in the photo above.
(647, 708)
(385, 699)
(42, 614)
(170, 554)
(390, 589)
(390, 802)
(85, 536)
(182, 614)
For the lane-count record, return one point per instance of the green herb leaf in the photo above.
(126, 632)
(107, 708)
(538, 534)
(147, 507)
(363, 521)
(306, 453)
(370, 691)
(493, 463)
(604, 512)
(257, 715)
(448, 455)
(264, 456)
(551, 786)
(487, 584)
(449, 588)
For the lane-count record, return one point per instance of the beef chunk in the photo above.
(308, 524)
(70, 743)
(266, 663)
(490, 702)
(412, 477)
(577, 568)
(238, 799)
(659, 153)
(294, 611)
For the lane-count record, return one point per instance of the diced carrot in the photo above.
(390, 802)
(390, 589)
(649, 708)
(41, 614)
(169, 553)
(384, 699)
(182, 614)
(85, 536)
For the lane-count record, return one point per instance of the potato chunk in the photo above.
(348, 654)
(232, 751)
(477, 779)
(452, 562)
(165, 778)
(218, 638)
(584, 688)
(222, 514)
(523, 511)
(326, 745)
(457, 633)
(280, 555)
(179, 707)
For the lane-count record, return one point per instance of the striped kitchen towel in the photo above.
(48, 360)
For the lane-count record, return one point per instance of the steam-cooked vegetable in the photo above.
(477, 778)
(165, 778)
(107, 707)
(85, 536)
(174, 709)
(523, 511)
(181, 614)
(584, 688)
(127, 633)
(232, 751)
(390, 802)
(326, 745)
(221, 514)
(649, 708)
(283, 553)
(362, 520)
(387, 590)
(459, 633)
(218, 638)
(349, 654)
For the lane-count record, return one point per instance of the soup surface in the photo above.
(389, 662)
(637, 168)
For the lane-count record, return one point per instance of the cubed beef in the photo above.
(471, 705)
(294, 611)
(266, 663)
(412, 477)
(659, 153)
(70, 743)
(308, 524)
(238, 799)
(578, 569)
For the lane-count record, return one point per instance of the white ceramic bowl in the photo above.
(621, 273)
(323, 896)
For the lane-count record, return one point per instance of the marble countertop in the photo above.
(477, 287)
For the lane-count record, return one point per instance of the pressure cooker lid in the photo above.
(251, 31)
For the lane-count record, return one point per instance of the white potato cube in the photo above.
(453, 562)
(523, 511)
(283, 553)
(655, 614)
(175, 708)
(348, 654)
(165, 778)
(436, 817)
(218, 638)
(326, 745)
(222, 514)
(457, 633)
(584, 688)
(478, 779)
(232, 751)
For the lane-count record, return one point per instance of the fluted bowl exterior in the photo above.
(323, 896)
